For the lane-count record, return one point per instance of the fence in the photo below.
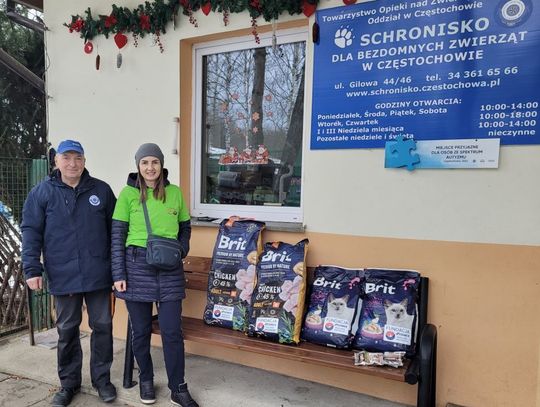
(17, 176)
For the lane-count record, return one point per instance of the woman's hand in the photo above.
(120, 286)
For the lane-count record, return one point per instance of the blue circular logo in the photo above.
(512, 13)
(217, 313)
(94, 200)
(390, 335)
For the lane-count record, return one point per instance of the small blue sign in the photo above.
(428, 70)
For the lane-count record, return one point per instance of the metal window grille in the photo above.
(17, 176)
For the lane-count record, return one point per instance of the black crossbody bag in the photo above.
(161, 252)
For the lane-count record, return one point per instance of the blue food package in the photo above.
(333, 306)
(232, 274)
(389, 311)
(277, 304)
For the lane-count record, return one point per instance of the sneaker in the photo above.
(181, 397)
(147, 392)
(107, 392)
(64, 396)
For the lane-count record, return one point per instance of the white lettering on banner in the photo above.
(428, 60)
(428, 31)
(349, 16)
(504, 38)
(403, 50)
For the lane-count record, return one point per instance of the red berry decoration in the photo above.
(254, 30)
(88, 47)
(349, 2)
(206, 8)
(120, 40)
(308, 8)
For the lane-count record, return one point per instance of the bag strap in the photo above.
(146, 218)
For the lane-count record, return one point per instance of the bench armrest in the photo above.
(423, 368)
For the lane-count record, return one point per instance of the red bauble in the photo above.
(120, 40)
(206, 8)
(349, 2)
(308, 8)
(88, 47)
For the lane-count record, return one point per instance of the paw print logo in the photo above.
(344, 37)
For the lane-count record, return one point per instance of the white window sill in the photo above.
(295, 227)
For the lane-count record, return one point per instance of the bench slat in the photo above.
(196, 330)
(197, 264)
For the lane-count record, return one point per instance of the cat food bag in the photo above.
(232, 274)
(388, 313)
(332, 311)
(277, 303)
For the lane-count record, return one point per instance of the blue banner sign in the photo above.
(428, 70)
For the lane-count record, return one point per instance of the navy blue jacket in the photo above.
(72, 228)
(146, 283)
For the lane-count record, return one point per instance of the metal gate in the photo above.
(17, 177)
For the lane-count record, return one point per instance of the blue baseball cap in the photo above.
(70, 145)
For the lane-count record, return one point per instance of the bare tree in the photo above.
(293, 141)
(257, 136)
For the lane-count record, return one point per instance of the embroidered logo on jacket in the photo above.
(94, 200)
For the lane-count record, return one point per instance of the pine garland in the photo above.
(153, 17)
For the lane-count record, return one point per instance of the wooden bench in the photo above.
(419, 370)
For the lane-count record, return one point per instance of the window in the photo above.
(248, 115)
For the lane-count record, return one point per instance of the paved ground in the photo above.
(16, 391)
(28, 378)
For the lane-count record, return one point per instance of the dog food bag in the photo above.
(232, 274)
(388, 315)
(277, 304)
(332, 311)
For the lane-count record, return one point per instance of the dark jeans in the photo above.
(69, 316)
(170, 325)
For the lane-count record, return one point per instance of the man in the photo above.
(67, 219)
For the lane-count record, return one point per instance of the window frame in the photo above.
(260, 212)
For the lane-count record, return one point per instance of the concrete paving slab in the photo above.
(22, 392)
(212, 383)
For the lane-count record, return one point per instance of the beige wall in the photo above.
(112, 111)
(474, 233)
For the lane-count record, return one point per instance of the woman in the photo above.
(141, 284)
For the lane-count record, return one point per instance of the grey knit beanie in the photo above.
(148, 149)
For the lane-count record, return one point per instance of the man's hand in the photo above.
(35, 283)
(120, 286)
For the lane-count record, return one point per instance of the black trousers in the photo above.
(69, 316)
(170, 325)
